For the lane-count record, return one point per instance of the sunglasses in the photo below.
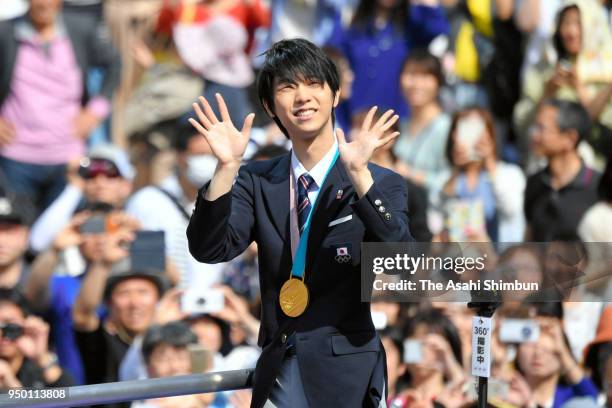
(11, 331)
(92, 168)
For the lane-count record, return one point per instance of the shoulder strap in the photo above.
(174, 201)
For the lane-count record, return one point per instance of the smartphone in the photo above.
(148, 251)
(379, 319)
(96, 224)
(469, 131)
(202, 301)
(519, 331)
(498, 389)
(565, 65)
(201, 358)
(413, 351)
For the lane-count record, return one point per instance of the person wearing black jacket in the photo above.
(320, 348)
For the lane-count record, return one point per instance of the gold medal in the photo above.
(293, 297)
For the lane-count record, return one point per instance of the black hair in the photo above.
(224, 327)
(557, 40)
(366, 10)
(545, 309)
(183, 133)
(438, 323)
(571, 116)
(160, 136)
(394, 334)
(21, 207)
(16, 298)
(291, 61)
(426, 62)
(269, 151)
(176, 334)
(604, 189)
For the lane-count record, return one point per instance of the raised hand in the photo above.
(33, 344)
(169, 307)
(85, 122)
(227, 143)
(356, 154)
(71, 235)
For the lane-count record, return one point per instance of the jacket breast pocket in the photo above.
(354, 343)
(344, 227)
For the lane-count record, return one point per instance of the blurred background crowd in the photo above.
(506, 137)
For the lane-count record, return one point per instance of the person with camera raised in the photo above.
(105, 175)
(25, 359)
(130, 294)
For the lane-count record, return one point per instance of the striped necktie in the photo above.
(304, 206)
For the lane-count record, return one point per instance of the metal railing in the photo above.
(138, 390)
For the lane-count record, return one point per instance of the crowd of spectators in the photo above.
(505, 139)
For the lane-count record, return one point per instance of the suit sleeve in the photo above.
(220, 230)
(384, 210)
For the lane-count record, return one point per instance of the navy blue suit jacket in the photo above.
(341, 359)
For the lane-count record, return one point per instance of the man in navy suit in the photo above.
(308, 213)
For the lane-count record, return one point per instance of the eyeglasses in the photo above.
(11, 331)
(92, 168)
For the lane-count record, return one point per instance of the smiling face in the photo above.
(132, 304)
(304, 107)
(298, 85)
(419, 87)
(570, 31)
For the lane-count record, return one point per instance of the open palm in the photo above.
(356, 154)
(226, 142)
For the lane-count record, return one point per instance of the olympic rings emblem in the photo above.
(342, 258)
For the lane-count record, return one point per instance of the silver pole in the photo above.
(139, 390)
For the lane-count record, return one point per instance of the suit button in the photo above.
(377, 202)
(381, 209)
(283, 338)
(387, 216)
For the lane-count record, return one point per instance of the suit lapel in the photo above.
(275, 191)
(326, 208)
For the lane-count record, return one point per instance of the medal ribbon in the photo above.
(299, 261)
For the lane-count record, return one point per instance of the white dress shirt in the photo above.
(318, 172)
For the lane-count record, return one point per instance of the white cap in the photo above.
(116, 155)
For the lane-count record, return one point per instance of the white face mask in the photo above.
(200, 169)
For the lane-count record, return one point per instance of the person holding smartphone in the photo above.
(483, 198)
(433, 358)
(549, 368)
(579, 72)
(319, 344)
